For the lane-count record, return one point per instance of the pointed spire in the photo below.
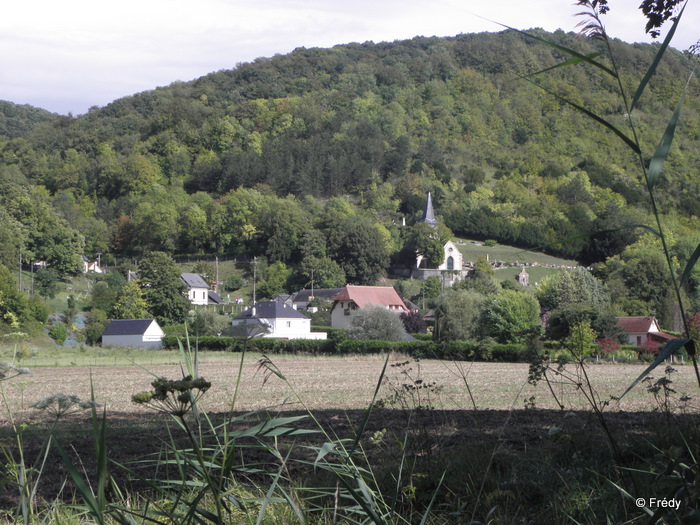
(428, 214)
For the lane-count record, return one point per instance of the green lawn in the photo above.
(43, 355)
(472, 250)
(537, 273)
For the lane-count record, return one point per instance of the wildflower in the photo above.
(174, 397)
(60, 404)
(8, 371)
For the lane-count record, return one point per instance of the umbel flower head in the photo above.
(173, 396)
(60, 404)
(8, 371)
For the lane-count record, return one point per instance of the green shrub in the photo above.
(59, 332)
(340, 344)
(234, 282)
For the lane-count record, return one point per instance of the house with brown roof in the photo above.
(353, 297)
(641, 330)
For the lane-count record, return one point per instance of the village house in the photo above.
(91, 266)
(302, 298)
(643, 330)
(198, 291)
(137, 333)
(353, 297)
(274, 319)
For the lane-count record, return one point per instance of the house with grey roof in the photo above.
(137, 333)
(274, 319)
(198, 291)
(197, 288)
(302, 298)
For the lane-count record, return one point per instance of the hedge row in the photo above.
(339, 345)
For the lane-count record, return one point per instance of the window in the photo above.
(450, 263)
(289, 324)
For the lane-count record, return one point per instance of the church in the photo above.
(453, 260)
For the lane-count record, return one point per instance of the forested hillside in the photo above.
(313, 158)
(17, 121)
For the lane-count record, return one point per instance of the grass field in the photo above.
(537, 273)
(472, 250)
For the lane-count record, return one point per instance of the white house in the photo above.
(197, 288)
(353, 297)
(273, 319)
(91, 266)
(139, 333)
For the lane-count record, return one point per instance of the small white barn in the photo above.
(273, 319)
(138, 333)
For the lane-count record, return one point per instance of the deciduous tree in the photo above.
(130, 303)
(511, 316)
(377, 323)
(163, 289)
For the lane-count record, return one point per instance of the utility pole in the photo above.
(20, 269)
(216, 285)
(255, 273)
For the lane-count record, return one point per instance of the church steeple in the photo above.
(428, 214)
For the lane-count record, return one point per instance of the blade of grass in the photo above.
(652, 69)
(397, 485)
(271, 491)
(432, 501)
(630, 143)
(671, 347)
(93, 506)
(570, 62)
(690, 265)
(99, 433)
(657, 161)
(365, 420)
(571, 52)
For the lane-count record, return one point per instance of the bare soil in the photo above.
(487, 426)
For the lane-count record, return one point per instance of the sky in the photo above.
(71, 55)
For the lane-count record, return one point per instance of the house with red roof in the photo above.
(353, 297)
(643, 330)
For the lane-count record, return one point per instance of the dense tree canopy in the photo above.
(511, 316)
(316, 158)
